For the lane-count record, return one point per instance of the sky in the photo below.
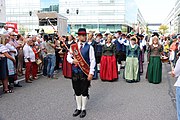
(155, 11)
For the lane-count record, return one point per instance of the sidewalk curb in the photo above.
(21, 79)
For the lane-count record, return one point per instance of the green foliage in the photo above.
(163, 29)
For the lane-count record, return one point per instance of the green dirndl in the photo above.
(132, 69)
(154, 70)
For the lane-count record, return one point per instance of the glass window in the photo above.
(52, 5)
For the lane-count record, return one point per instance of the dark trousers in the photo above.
(3, 68)
(45, 62)
(58, 60)
(80, 84)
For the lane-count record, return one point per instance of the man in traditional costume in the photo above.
(141, 57)
(92, 42)
(100, 42)
(118, 46)
(81, 56)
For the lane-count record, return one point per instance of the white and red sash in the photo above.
(82, 63)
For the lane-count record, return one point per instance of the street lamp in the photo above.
(77, 11)
(67, 11)
(30, 13)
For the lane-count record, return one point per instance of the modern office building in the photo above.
(24, 12)
(49, 5)
(177, 16)
(173, 19)
(2, 12)
(100, 15)
(141, 23)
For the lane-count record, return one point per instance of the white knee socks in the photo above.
(79, 102)
(84, 101)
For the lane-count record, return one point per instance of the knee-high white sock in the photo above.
(79, 102)
(84, 101)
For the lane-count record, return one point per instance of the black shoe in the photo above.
(17, 85)
(129, 81)
(76, 112)
(30, 79)
(83, 114)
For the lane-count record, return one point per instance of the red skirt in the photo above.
(108, 68)
(67, 67)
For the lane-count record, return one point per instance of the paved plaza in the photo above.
(47, 99)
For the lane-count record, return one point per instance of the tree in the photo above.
(163, 29)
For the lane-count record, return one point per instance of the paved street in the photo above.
(47, 99)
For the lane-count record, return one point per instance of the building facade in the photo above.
(177, 16)
(97, 15)
(24, 12)
(49, 5)
(173, 19)
(2, 12)
(100, 15)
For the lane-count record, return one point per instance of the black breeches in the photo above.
(80, 84)
(120, 56)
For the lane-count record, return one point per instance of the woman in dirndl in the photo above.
(108, 64)
(154, 70)
(67, 67)
(132, 62)
(4, 55)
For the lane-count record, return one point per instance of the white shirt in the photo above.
(91, 56)
(177, 73)
(126, 43)
(69, 42)
(120, 40)
(108, 44)
(144, 42)
(12, 48)
(89, 42)
(102, 41)
(141, 45)
(113, 40)
(28, 53)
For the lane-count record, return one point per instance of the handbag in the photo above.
(38, 61)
